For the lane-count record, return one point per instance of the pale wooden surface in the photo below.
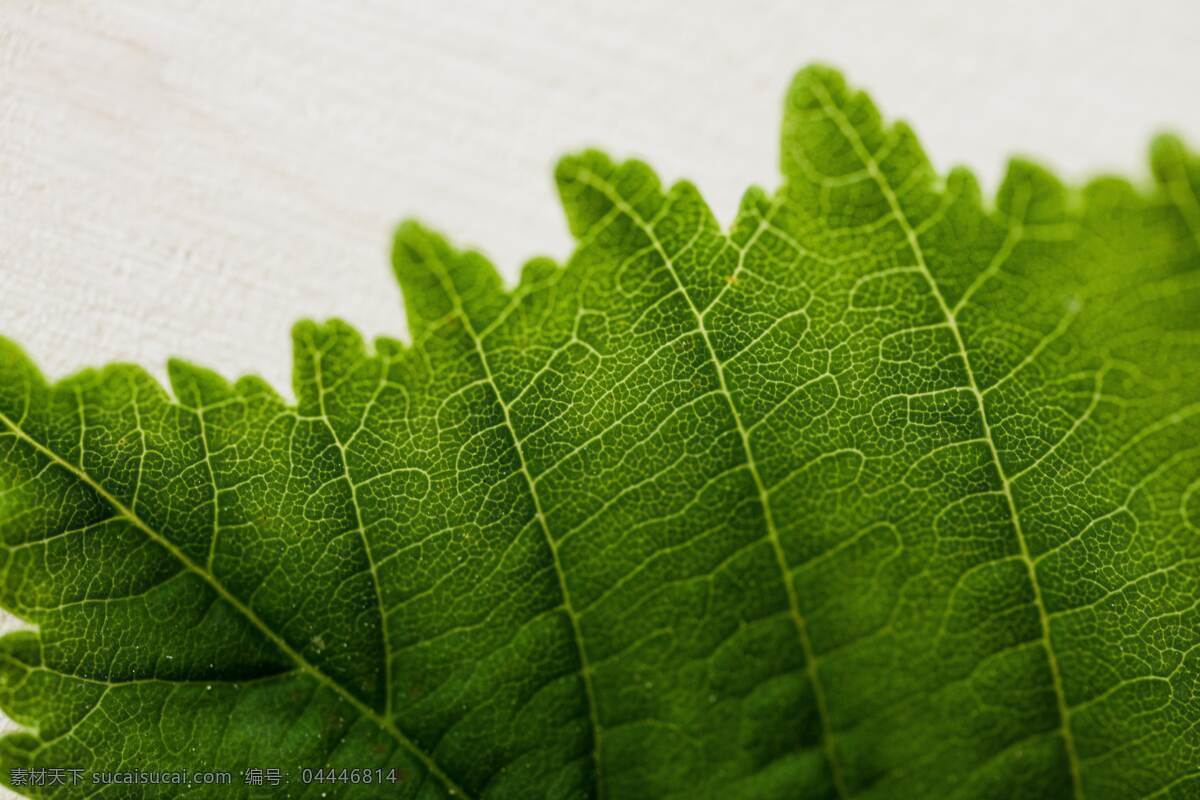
(191, 182)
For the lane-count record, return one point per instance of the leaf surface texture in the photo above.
(886, 491)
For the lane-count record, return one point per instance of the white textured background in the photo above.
(179, 181)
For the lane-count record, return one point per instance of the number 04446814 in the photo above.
(349, 776)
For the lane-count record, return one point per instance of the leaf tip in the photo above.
(1032, 194)
(437, 279)
(1169, 158)
(593, 188)
(196, 386)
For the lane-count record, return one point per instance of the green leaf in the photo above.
(885, 492)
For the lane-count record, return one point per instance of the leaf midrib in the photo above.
(798, 620)
(217, 586)
(585, 668)
(856, 143)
